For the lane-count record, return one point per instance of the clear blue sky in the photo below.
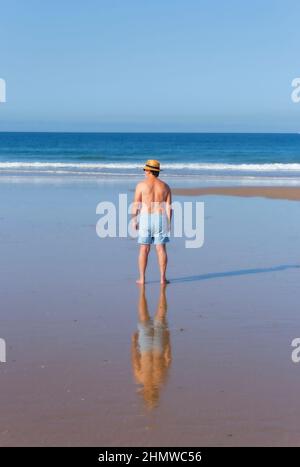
(157, 65)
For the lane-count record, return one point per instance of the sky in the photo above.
(140, 65)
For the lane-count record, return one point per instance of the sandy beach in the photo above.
(221, 373)
(278, 192)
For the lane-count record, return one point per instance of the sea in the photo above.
(271, 157)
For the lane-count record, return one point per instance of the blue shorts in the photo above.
(153, 228)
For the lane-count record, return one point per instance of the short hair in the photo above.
(155, 173)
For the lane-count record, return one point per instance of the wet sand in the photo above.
(92, 359)
(288, 193)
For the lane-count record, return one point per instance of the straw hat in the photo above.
(152, 164)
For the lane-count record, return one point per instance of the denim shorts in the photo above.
(153, 228)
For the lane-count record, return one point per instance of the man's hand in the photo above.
(135, 224)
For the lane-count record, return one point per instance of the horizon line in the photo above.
(159, 132)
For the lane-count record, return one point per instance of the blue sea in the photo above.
(204, 155)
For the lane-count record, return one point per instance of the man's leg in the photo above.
(143, 259)
(162, 261)
(161, 310)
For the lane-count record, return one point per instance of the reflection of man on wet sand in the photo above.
(151, 349)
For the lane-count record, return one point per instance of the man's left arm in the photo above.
(169, 208)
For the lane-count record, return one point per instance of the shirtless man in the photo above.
(152, 202)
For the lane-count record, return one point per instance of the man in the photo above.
(152, 202)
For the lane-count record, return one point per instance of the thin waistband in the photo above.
(162, 214)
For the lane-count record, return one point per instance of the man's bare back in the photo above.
(153, 194)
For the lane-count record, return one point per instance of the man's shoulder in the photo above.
(165, 185)
(140, 185)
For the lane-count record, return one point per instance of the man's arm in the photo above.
(136, 204)
(169, 207)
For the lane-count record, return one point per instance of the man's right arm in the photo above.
(136, 204)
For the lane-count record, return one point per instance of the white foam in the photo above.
(192, 166)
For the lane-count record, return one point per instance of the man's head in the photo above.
(152, 167)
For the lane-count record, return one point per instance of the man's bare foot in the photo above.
(140, 281)
(164, 281)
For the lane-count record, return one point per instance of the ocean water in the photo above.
(204, 155)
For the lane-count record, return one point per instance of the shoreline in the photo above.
(282, 193)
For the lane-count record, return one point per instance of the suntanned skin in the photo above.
(152, 195)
